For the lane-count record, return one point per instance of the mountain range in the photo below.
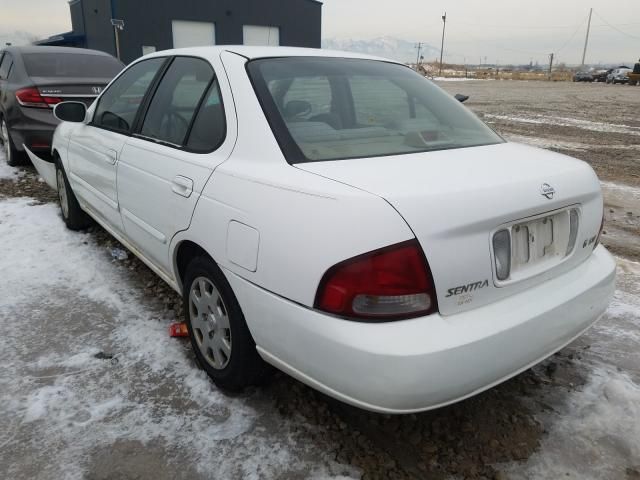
(390, 47)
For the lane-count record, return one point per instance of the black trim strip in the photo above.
(150, 93)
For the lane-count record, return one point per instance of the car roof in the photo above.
(252, 53)
(46, 49)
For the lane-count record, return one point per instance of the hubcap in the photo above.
(62, 194)
(210, 322)
(5, 141)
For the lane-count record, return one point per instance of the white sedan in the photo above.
(339, 217)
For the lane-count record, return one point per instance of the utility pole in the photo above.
(586, 39)
(118, 26)
(419, 46)
(550, 64)
(444, 25)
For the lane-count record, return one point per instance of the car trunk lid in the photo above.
(456, 200)
(71, 89)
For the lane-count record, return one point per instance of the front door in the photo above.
(95, 147)
(166, 163)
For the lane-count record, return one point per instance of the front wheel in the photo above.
(74, 217)
(219, 334)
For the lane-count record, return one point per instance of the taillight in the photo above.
(30, 97)
(391, 283)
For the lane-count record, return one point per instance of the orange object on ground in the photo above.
(178, 330)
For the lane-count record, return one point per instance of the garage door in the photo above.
(193, 34)
(261, 35)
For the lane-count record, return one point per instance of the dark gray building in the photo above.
(150, 25)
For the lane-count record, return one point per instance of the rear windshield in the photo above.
(71, 65)
(335, 109)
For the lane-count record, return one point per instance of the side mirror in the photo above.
(461, 98)
(70, 111)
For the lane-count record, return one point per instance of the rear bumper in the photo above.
(34, 128)
(428, 362)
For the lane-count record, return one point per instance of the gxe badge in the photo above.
(547, 191)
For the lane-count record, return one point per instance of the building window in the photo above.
(261, 35)
(193, 34)
(147, 49)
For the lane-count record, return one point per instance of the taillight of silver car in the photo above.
(30, 97)
(387, 284)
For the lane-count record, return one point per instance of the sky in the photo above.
(503, 31)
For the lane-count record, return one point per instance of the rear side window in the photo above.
(71, 65)
(5, 66)
(176, 100)
(209, 127)
(119, 104)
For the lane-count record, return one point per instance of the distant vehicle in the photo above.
(601, 75)
(583, 77)
(619, 75)
(34, 79)
(339, 217)
(634, 76)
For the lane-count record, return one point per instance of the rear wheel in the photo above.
(11, 154)
(74, 217)
(219, 334)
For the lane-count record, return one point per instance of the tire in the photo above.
(13, 157)
(74, 217)
(219, 335)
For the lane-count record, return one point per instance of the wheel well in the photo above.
(187, 251)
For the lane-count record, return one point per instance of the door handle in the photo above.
(182, 186)
(111, 156)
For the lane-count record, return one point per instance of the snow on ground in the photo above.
(632, 193)
(546, 142)
(552, 143)
(567, 122)
(63, 302)
(455, 79)
(595, 433)
(7, 172)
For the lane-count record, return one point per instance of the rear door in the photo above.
(94, 148)
(164, 166)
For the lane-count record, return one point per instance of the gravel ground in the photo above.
(92, 387)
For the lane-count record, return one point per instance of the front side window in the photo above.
(176, 100)
(332, 108)
(119, 104)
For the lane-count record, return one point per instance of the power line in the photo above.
(616, 28)
(572, 36)
(543, 27)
